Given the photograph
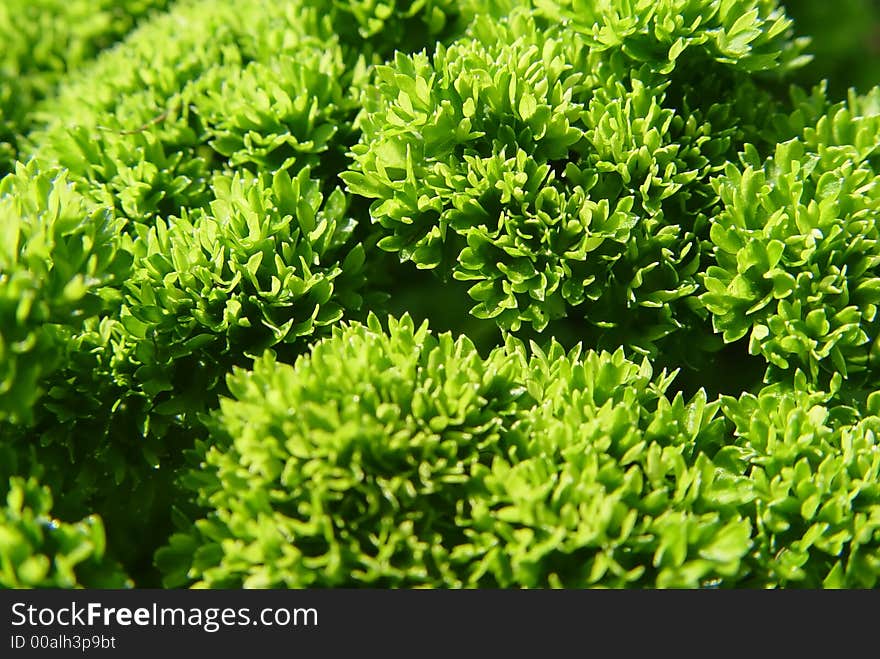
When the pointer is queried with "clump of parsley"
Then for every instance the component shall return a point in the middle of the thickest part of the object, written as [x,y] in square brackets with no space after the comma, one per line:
[438,294]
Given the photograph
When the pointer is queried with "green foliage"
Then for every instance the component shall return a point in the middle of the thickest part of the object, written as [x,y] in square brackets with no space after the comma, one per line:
[60,263]
[552,189]
[652,252]
[192,207]
[752,35]
[270,262]
[379,28]
[796,246]
[148,136]
[230,218]
[421,158]
[245,84]
[434,467]
[38,551]
[284,113]
[812,469]
[391,437]
[615,489]
[44,39]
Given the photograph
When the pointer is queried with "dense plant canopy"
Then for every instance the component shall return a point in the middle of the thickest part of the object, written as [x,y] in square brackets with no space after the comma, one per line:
[442,293]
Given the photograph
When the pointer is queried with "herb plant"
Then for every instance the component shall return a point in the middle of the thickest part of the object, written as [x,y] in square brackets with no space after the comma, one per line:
[442,293]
